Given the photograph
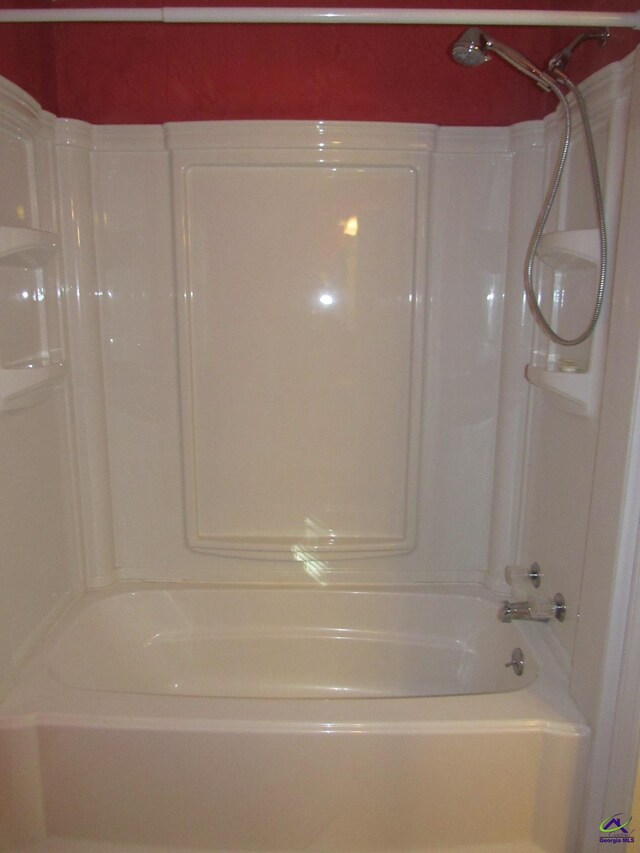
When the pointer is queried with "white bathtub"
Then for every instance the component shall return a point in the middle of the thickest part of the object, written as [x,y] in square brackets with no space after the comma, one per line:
[290,643]
[290,719]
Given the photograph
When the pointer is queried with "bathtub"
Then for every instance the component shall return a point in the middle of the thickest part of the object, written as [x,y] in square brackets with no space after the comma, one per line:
[289,719]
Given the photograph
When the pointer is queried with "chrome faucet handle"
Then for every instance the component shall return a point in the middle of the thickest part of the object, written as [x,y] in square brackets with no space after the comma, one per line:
[542,610]
[515,575]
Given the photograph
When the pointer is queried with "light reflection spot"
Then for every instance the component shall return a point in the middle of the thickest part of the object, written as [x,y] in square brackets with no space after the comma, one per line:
[351,226]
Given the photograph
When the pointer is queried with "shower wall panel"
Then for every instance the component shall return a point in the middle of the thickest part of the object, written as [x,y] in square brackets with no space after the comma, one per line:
[432,344]
[39,551]
[502,472]
[462,465]
[393,399]
[429,431]
[302,294]
[562,445]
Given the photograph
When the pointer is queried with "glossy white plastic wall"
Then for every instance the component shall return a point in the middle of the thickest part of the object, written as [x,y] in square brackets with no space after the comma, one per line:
[301,306]
[40,550]
[446,448]
[562,446]
[605,663]
[457,425]
[459,485]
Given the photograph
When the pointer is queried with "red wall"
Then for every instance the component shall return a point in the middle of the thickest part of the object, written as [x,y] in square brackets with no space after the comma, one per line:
[150,73]
[26,56]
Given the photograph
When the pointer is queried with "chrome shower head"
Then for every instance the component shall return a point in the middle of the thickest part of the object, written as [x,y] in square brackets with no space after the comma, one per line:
[473,46]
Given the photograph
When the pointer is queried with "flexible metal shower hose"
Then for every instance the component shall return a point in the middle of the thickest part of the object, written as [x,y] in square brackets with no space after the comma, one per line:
[546,210]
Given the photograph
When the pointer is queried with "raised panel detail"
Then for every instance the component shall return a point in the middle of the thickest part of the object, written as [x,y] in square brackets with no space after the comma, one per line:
[300,354]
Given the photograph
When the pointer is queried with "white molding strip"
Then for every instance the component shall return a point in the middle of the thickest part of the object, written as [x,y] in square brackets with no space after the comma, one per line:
[302,15]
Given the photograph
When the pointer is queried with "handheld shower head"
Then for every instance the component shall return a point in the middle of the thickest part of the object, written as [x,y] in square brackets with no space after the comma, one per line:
[473,46]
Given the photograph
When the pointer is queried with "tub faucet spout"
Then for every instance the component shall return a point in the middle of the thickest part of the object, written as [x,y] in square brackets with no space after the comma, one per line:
[511,610]
[534,611]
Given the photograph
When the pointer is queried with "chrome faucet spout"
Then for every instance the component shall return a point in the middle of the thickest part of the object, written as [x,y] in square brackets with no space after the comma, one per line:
[521,610]
[534,611]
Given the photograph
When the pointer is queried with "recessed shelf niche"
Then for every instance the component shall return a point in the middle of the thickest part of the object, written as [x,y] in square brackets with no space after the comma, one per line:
[31,357]
[567,251]
[571,378]
[26,248]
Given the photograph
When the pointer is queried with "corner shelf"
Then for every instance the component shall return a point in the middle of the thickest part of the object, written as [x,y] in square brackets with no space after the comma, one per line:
[27,248]
[23,385]
[573,390]
[568,251]
[25,382]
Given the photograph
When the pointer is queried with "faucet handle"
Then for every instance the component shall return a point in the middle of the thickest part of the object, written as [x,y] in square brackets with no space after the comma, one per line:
[515,575]
[543,609]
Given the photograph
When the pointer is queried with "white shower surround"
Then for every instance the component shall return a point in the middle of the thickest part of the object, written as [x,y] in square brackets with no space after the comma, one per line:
[467,472]
[153,484]
[478,506]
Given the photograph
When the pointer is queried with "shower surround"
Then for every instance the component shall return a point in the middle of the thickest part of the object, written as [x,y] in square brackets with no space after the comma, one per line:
[282,360]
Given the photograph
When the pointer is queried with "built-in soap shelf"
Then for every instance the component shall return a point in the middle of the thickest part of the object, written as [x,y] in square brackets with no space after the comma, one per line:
[25,381]
[23,384]
[574,390]
[573,387]
[570,250]
[26,248]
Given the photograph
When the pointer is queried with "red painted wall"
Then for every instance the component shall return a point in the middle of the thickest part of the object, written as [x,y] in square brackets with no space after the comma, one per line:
[151,73]
[26,56]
